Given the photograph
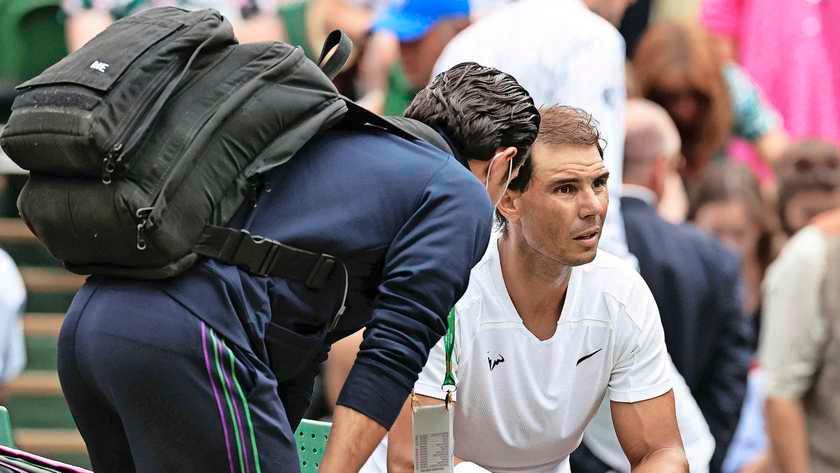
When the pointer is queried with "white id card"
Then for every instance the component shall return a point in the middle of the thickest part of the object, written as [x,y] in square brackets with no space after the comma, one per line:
[433,442]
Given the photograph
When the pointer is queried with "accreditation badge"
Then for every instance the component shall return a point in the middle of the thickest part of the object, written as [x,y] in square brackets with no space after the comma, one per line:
[433,440]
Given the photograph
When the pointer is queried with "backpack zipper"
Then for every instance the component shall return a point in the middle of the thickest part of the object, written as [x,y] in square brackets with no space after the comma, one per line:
[145,223]
[148,224]
[113,158]
[109,164]
[115,152]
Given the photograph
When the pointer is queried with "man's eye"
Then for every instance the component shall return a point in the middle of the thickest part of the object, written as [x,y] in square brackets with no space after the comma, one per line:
[601,182]
[566,189]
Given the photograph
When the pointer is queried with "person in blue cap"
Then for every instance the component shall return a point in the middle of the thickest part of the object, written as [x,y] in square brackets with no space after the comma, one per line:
[423,28]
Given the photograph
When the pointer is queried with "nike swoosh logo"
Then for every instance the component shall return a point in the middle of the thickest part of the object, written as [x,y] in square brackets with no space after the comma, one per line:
[588,356]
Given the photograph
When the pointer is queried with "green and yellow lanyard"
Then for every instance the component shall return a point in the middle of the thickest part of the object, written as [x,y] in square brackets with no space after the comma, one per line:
[449,343]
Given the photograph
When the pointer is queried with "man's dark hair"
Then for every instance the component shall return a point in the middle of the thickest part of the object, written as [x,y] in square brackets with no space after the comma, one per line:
[479,109]
[559,125]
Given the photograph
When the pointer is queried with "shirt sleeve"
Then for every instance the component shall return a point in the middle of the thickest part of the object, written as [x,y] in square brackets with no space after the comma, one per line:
[721,16]
[641,364]
[753,115]
[427,268]
[792,330]
[12,300]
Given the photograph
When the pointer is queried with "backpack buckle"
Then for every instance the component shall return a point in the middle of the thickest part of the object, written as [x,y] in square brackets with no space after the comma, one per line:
[258,254]
[320,272]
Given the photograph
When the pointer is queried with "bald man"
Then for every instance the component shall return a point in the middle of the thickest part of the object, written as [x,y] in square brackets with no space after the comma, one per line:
[651,149]
[694,280]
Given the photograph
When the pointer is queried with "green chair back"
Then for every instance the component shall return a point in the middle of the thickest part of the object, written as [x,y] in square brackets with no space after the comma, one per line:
[311,437]
[32,35]
[6,437]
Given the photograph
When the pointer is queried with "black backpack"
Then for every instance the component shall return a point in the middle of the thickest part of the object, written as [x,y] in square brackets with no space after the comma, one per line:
[142,144]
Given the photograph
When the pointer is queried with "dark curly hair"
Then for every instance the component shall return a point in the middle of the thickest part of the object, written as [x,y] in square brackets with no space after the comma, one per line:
[480,109]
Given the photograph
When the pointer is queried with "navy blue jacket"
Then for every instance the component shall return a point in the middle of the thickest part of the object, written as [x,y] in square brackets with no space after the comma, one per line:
[415,211]
[696,283]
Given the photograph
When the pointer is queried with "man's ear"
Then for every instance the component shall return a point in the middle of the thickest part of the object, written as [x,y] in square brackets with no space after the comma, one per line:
[503,158]
[660,169]
[509,206]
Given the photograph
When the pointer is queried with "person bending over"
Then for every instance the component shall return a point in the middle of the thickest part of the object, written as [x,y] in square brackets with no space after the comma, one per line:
[212,370]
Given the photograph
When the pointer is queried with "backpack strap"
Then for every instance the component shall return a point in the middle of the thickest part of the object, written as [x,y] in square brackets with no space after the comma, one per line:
[421,131]
[342,45]
[408,128]
[265,257]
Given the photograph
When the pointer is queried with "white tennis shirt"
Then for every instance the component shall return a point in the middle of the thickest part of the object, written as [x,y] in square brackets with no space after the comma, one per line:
[523,403]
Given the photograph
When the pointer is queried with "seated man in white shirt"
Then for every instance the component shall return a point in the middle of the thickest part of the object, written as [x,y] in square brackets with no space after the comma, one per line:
[546,329]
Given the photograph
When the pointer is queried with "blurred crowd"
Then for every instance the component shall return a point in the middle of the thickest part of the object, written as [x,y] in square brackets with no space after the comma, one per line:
[722,119]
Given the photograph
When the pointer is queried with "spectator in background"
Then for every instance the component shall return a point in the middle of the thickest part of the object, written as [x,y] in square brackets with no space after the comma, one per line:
[383,87]
[253,20]
[634,23]
[710,101]
[807,183]
[792,50]
[800,350]
[379,65]
[423,29]
[405,41]
[728,204]
[12,301]
[372,75]
[566,52]
[748,450]
[695,281]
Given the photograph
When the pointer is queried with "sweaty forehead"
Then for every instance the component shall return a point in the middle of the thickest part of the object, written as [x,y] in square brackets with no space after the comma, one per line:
[574,160]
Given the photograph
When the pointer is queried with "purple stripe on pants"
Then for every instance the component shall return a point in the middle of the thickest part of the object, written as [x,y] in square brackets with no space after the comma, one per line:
[222,349]
[216,395]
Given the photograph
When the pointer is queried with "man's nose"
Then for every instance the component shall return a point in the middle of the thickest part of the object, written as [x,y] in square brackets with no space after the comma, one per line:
[589,204]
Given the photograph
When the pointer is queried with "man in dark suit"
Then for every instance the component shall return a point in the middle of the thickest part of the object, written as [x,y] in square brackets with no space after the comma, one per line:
[694,280]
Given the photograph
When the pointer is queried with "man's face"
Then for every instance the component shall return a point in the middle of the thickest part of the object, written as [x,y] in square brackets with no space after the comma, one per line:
[419,56]
[610,10]
[562,211]
[729,222]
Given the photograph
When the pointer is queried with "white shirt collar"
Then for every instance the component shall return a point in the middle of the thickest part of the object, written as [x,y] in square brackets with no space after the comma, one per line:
[639,192]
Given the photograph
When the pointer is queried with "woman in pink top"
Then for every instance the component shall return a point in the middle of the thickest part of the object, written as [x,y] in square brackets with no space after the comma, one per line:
[792,49]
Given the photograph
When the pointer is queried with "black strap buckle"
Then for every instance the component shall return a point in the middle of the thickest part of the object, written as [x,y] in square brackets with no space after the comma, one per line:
[320,272]
[259,255]
[256,253]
